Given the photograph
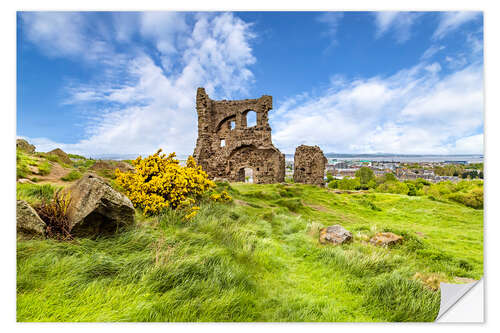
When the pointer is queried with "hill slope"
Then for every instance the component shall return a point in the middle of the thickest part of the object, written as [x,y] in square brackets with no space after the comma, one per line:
[258,259]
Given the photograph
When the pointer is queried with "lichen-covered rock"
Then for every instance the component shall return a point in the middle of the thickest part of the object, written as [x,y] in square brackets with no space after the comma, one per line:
[28,223]
[63,157]
[335,234]
[227,144]
[96,208]
[386,239]
[25,146]
[309,165]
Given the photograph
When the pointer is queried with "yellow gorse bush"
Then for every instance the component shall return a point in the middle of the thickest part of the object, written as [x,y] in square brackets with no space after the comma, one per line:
[159,182]
[221,197]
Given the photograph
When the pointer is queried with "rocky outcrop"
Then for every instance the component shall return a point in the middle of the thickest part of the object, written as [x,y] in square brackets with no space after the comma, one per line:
[334,234]
[309,165]
[28,223]
[24,145]
[96,208]
[112,165]
[386,239]
[63,157]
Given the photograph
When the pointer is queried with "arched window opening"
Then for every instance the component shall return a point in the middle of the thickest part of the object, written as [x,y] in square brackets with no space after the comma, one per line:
[251,118]
[232,125]
[222,143]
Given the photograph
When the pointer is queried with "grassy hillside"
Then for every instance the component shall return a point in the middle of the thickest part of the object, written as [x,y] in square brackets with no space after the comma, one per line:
[257,259]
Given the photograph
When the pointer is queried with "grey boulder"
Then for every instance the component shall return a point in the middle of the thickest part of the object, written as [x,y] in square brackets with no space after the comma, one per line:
[334,234]
[28,223]
[96,208]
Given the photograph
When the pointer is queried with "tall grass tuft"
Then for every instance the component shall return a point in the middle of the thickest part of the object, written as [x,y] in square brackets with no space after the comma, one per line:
[34,193]
[55,214]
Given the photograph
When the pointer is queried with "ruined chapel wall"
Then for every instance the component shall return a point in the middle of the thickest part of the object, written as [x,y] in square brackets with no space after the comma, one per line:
[309,165]
[242,146]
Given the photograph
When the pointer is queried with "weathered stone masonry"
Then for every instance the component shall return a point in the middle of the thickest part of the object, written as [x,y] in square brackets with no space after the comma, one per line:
[309,165]
[226,145]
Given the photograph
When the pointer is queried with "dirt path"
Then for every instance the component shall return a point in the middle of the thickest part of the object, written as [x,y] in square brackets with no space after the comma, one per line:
[54,177]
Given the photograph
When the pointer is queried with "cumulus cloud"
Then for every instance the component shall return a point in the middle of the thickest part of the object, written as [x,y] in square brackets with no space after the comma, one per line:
[450,21]
[399,22]
[415,111]
[147,107]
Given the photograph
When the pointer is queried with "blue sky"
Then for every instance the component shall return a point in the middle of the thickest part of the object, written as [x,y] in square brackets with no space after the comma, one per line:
[350,82]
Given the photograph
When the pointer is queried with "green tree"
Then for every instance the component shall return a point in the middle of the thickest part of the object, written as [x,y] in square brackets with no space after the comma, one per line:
[365,174]
[390,177]
[329,177]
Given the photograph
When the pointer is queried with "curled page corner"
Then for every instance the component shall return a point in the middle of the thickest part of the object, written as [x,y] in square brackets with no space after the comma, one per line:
[451,293]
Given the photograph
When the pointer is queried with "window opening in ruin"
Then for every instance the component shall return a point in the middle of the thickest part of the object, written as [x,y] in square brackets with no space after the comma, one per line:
[251,118]
[232,125]
[222,143]
[249,175]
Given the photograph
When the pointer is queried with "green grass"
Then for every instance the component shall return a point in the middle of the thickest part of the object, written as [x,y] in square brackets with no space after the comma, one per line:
[44,168]
[257,260]
[75,156]
[73,175]
[33,193]
[82,164]
[23,161]
[50,157]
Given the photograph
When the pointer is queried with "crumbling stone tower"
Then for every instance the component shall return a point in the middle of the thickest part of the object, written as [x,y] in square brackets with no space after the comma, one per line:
[309,165]
[226,146]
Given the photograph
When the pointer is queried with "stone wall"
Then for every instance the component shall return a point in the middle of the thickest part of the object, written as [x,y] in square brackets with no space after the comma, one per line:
[309,165]
[226,145]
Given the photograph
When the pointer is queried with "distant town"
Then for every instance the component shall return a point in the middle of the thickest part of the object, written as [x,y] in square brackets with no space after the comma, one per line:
[430,168]
[433,168]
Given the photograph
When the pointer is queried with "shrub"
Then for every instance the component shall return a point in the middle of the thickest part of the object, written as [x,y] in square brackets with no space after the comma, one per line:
[221,197]
[473,199]
[329,177]
[393,187]
[73,175]
[349,184]
[159,182]
[333,184]
[389,177]
[412,190]
[55,214]
[77,157]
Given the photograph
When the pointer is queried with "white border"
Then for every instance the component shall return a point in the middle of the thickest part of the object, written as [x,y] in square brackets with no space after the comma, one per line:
[8,128]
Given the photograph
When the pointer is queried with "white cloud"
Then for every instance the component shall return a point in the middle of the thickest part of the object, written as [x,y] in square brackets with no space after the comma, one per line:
[150,108]
[400,22]
[450,21]
[413,111]
[332,22]
[432,50]
[65,34]
[470,144]
[163,28]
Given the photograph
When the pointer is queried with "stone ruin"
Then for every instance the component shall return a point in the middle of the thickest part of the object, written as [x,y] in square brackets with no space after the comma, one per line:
[229,149]
[309,165]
